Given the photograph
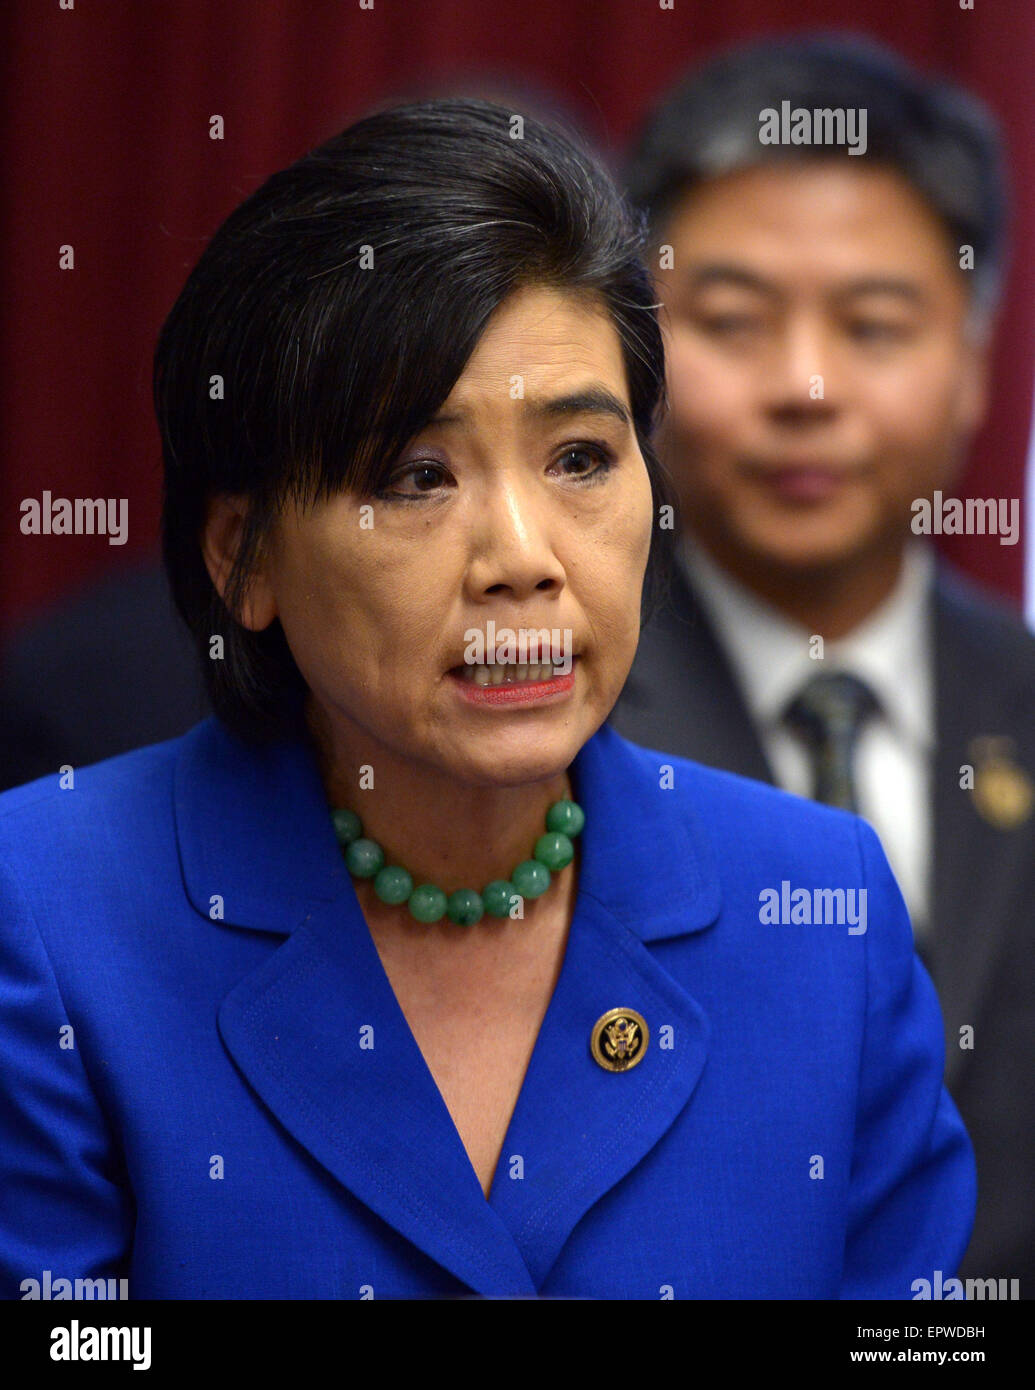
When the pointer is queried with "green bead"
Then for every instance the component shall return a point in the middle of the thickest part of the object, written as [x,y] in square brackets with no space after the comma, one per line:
[465,907]
[364,858]
[566,817]
[531,878]
[497,895]
[554,850]
[347,825]
[393,885]
[427,903]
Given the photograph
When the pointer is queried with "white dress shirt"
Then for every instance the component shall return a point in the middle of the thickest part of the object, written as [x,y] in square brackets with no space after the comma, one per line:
[892,652]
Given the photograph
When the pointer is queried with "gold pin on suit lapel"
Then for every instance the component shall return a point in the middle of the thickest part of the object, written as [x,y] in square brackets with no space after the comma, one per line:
[1003,791]
[619,1039]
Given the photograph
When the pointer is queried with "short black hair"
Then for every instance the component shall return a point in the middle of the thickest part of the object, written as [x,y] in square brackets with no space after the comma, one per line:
[328,369]
[942,140]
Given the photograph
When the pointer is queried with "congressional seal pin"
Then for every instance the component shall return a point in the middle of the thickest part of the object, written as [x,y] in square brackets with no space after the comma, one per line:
[619,1039]
[1003,791]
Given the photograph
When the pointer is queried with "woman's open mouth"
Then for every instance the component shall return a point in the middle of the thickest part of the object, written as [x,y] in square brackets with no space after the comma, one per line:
[512,683]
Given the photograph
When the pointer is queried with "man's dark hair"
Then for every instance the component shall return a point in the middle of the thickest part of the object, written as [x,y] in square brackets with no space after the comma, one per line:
[942,140]
[329,369]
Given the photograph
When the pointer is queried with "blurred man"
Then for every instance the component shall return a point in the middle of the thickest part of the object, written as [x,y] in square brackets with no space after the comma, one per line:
[828,235]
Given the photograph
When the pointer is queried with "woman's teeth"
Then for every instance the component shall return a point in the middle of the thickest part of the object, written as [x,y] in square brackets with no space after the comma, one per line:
[506,674]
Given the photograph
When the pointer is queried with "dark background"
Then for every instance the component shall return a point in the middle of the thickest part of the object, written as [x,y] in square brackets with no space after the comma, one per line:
[105,120]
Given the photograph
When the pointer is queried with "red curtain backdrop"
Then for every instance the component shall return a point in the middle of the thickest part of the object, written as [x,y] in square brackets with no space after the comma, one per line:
[105,120]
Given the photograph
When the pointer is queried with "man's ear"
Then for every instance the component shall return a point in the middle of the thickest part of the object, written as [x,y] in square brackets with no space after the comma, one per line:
[972,398]
[225,515]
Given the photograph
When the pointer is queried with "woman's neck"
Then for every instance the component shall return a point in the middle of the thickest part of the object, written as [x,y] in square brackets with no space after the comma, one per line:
[441,830]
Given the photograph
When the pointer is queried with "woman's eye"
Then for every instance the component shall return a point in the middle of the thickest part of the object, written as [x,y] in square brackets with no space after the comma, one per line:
[593,454]
[592,462]
[426,478]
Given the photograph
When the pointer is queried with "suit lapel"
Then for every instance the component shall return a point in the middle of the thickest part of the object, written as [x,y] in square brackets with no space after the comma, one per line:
[968,851]
[577,1129]
[320,1036]
[645,875]
[318,1033]
[682,695]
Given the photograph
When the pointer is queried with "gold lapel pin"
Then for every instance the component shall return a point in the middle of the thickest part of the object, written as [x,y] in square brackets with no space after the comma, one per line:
[1003,791]
[619,1039]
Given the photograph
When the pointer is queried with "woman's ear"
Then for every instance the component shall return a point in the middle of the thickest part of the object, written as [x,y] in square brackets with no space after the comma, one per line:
[221,535]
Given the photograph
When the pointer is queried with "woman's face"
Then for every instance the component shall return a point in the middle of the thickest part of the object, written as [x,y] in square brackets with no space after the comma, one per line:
[519,504]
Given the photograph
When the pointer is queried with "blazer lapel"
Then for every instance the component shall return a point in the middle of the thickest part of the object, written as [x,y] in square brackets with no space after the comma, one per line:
[577,1129]
[318,1033]
[255,830]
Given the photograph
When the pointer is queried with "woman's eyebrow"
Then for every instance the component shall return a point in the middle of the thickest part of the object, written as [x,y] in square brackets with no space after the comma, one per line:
[589,400]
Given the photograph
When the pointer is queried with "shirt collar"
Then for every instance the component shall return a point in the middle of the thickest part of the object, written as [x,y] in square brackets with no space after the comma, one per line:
[770,653]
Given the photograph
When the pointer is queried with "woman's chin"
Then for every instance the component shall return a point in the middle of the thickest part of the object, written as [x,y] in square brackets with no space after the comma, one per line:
[512,757]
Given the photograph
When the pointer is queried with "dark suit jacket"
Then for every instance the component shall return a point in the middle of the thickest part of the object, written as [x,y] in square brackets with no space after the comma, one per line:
[682,696]
[109,669]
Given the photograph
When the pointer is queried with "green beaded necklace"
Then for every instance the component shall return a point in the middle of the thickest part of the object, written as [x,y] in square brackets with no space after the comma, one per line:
[553,852]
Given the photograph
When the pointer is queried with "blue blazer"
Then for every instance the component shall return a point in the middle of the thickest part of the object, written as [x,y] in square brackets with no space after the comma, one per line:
[209,1088]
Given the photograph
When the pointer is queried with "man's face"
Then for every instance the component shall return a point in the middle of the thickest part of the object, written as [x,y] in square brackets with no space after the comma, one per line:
[821,376]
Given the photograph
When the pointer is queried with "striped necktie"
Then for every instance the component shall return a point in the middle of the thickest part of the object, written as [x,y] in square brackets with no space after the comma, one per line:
[828,714]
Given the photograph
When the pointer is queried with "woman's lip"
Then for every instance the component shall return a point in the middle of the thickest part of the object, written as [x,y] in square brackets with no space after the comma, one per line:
[516,692]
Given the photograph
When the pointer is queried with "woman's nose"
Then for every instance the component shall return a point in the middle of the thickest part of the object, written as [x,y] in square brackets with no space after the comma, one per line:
[512,544]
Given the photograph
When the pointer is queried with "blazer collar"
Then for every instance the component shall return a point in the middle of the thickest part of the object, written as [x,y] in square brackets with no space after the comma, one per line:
[319,1035]
[254,828]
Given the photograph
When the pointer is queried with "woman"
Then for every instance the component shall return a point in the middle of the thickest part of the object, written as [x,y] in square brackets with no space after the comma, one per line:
[404,975]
